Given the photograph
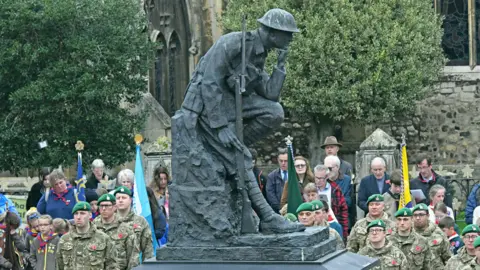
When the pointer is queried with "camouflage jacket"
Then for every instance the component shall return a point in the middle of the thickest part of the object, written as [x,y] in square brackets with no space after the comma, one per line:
[339,239]
[143,233]
[461,259]
[416,247]
[358,236]
[438,242]
[124,238]
[92,250]
[390,256]
[472,264]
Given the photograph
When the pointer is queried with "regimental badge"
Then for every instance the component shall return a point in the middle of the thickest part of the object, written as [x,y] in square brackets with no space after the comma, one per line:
[404,213]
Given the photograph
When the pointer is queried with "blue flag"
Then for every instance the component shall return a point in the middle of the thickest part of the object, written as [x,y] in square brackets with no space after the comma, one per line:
[140,197]
[80,180]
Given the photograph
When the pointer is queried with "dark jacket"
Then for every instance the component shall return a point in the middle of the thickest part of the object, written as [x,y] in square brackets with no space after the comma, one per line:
[345,168]
[92,182]
[472,203]
[275,185]
[159,223]
[368,187]
[419,183]
[36,192]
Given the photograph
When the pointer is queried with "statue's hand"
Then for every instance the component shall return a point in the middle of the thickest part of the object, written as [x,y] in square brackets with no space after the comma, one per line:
[282,57]
[229,139]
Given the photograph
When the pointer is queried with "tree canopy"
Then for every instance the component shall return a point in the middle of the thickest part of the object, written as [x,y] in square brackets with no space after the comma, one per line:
[70,70]
[363,60]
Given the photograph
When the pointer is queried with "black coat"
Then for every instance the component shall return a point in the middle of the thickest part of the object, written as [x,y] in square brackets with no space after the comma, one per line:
[419,183]
[92,182]
[35,194]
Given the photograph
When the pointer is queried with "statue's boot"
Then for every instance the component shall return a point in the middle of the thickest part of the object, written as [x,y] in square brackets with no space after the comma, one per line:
[270,222]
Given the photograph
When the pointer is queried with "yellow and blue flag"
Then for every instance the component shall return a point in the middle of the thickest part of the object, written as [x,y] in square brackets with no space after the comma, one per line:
[405,196]
[80,180]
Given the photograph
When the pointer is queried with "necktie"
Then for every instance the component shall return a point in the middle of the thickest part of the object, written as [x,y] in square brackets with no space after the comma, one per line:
[285,178]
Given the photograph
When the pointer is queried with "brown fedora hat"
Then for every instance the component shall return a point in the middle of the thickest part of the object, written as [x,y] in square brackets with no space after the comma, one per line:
[330,140]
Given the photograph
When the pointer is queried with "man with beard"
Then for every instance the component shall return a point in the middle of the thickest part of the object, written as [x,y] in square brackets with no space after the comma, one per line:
[85,247]
[412,244]
[392,196]
[358,235]
[122,236]
[390,256]
[436,239]
[466,253]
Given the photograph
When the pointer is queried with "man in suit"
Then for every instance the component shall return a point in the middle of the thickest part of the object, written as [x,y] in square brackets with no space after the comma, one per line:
[331,146]
[276,180]
[375,183]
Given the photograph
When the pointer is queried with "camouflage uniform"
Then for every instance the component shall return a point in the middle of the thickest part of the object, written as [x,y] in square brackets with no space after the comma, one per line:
[124,239]
[142,231]
[438,242]
[472,264]
[358,236]
[92,250]
[416,248]
[337,236]
[461,259]
[390,256]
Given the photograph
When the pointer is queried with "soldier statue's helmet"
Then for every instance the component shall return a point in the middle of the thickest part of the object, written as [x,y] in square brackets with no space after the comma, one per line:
[279,19]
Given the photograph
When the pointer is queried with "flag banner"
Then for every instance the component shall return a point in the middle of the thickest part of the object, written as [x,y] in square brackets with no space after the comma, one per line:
[294,198]
[405,196]
[80,180]
[140,197]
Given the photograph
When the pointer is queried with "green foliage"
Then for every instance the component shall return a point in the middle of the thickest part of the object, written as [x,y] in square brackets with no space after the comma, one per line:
[69,70]
[366,60]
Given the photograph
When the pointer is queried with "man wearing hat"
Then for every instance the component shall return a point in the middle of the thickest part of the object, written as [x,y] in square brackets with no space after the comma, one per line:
[475,262]
[127,218]
[306,214]
[321,217]
[358,235]
[436,238]
[466,253]
[390,256]
[85,247]
[123,236]
[331,146]
[413,245]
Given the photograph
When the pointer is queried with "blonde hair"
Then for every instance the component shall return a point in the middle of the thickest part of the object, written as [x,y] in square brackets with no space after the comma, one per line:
[46,217]
[310,187]
[60,225]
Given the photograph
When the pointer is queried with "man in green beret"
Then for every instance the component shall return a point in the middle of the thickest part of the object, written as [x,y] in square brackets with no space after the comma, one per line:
[291,217]
[321,219]
[390,256]
[436,238]
[85,247]
[305,213]
[358,236]
[475,262]
[466,253]
[143,233]
[123,236]
[413,245]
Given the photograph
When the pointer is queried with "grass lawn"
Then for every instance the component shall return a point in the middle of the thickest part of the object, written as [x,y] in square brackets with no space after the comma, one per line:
[460,220]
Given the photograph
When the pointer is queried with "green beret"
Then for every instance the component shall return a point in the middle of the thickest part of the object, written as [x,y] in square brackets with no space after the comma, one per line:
[305,207]
[420,206]
[404,212]
[123,190]
[106,198]
[375,198]
[376,223]
[470,228]
[290,217]
[317,205]
[81,206]
[476,243]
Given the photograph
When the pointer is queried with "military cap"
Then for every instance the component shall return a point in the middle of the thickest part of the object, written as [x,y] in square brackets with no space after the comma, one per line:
[305,207]
[420,206]
[279,19]
[404,212]
[290,217]
[81,206]
[317,205]
[375,198]
[106,198]
[476,243]
[123,190]
[472,228]
[376,223]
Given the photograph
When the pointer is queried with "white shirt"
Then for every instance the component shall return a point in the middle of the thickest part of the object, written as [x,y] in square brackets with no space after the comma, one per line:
[327,191]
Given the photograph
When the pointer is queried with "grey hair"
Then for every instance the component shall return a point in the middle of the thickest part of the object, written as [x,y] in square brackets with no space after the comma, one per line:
[434,189]
[332,158]
[98,163]
[320,168]
[125,174]
[54,176]
[380,160]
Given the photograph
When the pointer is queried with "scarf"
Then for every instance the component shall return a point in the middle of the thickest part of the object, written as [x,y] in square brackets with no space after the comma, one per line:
[61,196]
[31,232]
[44,242]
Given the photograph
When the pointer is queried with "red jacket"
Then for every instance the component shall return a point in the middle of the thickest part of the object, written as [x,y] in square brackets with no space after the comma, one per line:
[339,207]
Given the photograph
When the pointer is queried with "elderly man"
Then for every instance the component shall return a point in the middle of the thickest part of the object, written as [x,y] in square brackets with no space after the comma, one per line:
[306,214]
[276,181]
[98,174]
[466,253]
[331,146]
[375,183]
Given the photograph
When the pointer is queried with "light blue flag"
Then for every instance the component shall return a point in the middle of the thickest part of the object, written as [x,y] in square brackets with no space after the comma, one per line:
[140,198]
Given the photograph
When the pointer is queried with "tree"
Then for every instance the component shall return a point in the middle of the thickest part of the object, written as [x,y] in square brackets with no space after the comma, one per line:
[362,60]
[70,70]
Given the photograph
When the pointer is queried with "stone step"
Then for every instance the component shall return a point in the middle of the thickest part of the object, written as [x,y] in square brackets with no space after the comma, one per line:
[310,237]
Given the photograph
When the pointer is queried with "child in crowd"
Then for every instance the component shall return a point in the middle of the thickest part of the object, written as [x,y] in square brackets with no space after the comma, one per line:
[44,247]
[11,243]
[440,210]
[60,226]
[31,230]
[447,224]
